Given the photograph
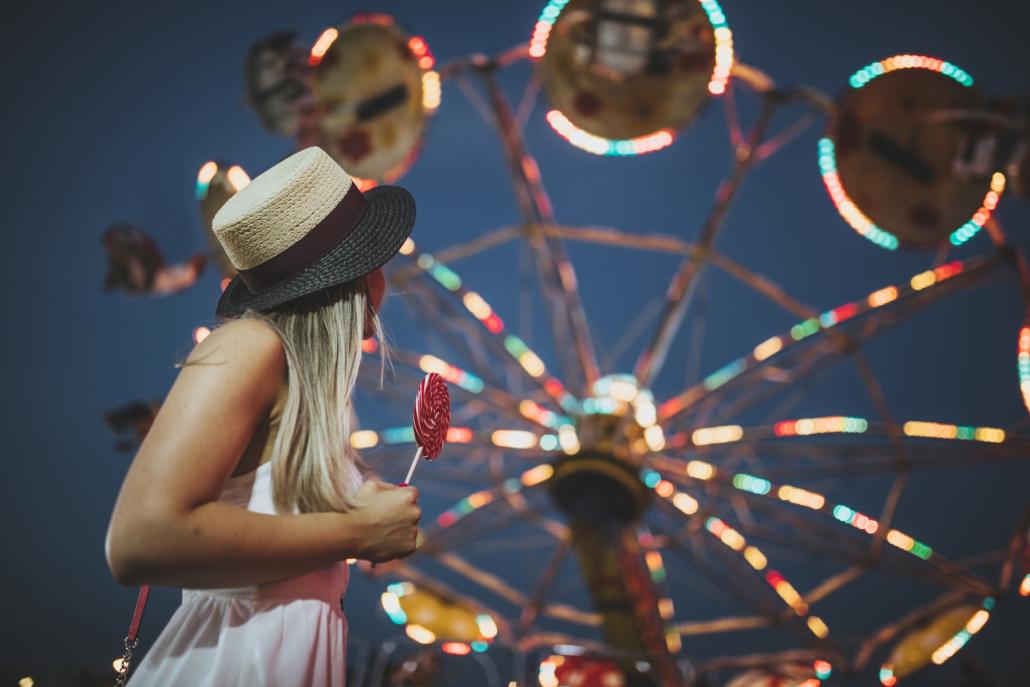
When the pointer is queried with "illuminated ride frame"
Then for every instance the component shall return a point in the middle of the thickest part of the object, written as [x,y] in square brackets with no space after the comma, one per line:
[619,482]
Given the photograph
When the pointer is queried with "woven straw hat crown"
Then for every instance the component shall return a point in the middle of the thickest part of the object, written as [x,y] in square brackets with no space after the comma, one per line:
[279,207]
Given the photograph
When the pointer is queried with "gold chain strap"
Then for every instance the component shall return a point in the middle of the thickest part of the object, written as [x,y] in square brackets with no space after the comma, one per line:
[123,668]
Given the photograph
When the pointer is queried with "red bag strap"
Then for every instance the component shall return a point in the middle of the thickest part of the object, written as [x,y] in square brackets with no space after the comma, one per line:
[132,639]
[137,615]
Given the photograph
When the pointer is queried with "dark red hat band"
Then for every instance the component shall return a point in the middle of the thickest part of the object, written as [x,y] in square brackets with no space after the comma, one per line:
[322,238]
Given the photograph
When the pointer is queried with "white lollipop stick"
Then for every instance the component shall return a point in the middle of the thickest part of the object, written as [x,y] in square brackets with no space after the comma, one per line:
[414,463]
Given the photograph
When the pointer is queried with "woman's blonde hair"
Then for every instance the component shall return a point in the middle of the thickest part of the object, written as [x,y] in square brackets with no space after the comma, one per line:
[315,469]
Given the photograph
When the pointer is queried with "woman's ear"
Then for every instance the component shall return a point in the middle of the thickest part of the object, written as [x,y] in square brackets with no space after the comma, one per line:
[376,285]
[375,291]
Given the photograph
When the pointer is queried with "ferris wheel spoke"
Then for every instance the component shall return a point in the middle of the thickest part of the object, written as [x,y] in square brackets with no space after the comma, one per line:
[833,584]
[462,541]
[746,382]
[482,351]
[571,614]
[736,548]
[762,285]
[688,541]
[504,347]
[814,537]
[556,272]
[894,431]
[476,61]
[950,579]
[439,541]
[630,334]
[514,543]
[796,432]
[812,534]
[681,289]
[879,400]
[474,98]
[779,503]
[610,236]
[723,625]
[781,361]
[798,127]
[729,584]
[804,533]
[729,109]
[668,243]
[674,244]
[935,567]
[460,337]
[490,239]
[482,578]
[788,452]
[528,99]
[543,586]
[869,460]
[495,357]
[697,329]
[799,370]
[755,595]
[477,512]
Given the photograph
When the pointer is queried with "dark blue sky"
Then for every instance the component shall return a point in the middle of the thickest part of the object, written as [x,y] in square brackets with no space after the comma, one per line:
[109,113]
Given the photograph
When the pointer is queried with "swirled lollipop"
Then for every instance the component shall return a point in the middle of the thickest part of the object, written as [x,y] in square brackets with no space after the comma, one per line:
[430,420]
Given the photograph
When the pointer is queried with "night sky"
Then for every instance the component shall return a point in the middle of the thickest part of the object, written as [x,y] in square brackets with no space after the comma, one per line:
[110,112]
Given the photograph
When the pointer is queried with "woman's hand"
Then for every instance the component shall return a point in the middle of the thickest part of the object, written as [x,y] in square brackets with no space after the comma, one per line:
[390,516]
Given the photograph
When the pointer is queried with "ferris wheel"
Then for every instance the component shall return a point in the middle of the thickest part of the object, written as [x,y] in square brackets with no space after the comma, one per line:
[589,504]
[628,491]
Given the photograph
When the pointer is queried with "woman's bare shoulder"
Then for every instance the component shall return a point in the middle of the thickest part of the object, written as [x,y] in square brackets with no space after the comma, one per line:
[241,342]
[223,392]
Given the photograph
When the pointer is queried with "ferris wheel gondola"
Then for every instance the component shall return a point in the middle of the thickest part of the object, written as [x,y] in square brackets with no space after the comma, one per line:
[277,86]
[374,90]
[217,181]
[136,265]
[889,161]
[624,75]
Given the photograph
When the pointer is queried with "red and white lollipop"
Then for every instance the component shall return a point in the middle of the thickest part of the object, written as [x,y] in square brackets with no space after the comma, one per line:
[431,419]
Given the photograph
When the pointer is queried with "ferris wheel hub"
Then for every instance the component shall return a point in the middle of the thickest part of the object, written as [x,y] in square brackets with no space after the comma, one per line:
[599,488]
[617,427]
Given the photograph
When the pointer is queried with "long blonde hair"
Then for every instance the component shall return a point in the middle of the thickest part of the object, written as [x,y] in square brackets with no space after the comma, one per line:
[315,469]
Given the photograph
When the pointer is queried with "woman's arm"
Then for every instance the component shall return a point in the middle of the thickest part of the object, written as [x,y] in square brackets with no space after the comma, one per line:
[168,526]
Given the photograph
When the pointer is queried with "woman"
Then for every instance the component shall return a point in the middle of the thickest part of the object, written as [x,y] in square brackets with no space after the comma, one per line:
[245,492]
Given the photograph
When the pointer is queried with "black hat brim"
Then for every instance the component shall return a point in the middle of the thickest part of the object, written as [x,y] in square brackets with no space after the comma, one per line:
[386,223]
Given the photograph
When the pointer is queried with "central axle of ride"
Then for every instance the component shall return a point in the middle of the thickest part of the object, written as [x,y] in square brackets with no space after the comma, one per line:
[600,490]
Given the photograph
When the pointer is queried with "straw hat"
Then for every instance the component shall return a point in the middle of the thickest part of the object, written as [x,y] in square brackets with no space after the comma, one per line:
[304,226]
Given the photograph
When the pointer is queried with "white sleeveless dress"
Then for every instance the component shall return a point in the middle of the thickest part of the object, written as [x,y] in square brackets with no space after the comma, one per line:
[282,634]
